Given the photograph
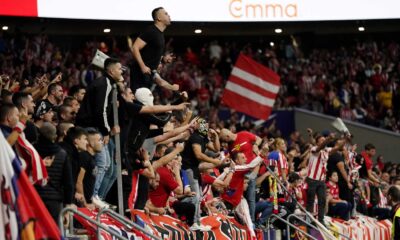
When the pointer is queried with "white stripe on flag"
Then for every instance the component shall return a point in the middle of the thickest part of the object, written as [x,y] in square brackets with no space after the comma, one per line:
[253,79]
[245,92]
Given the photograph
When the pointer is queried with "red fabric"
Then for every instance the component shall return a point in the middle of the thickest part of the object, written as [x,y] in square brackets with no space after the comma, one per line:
[333,189]
[244,143]
[368,161]
[135,185]
[33,214]
[233,194]
[27,8]
[207,178]
[159,196]
[251,88]
[35,165]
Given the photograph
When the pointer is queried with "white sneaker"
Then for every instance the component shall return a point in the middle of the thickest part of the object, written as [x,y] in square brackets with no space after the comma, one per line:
[200,227]
[99,203]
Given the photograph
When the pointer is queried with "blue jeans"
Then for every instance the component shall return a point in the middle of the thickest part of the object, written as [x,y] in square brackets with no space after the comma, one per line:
[194,186]
[251,198]
[111,174]
[103,161]
[265,208]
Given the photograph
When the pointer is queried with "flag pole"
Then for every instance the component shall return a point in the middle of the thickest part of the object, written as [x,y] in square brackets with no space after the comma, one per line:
[118,152]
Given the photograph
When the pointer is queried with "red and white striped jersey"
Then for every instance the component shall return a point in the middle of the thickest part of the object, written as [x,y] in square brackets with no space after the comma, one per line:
[317,163]
[283,163]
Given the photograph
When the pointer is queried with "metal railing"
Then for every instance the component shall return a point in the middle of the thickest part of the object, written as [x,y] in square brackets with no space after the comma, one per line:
[289,225]
[123,220]
[98,224]
[311,226]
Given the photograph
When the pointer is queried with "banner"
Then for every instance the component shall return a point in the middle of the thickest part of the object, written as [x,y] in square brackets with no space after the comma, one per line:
[206,10]
[251,88]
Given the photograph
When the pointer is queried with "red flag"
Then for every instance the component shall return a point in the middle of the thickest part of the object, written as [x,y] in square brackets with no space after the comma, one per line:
[251,88]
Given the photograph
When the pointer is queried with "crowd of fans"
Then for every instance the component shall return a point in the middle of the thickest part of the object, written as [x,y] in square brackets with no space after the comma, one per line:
[187,166]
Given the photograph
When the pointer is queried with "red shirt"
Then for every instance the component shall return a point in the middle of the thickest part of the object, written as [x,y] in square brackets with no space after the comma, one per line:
[333,189]
[159,196]
[368,161]
[233,194]
[244,143]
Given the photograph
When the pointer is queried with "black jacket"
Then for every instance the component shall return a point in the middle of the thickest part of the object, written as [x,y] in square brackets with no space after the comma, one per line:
[60,183]
[96,107]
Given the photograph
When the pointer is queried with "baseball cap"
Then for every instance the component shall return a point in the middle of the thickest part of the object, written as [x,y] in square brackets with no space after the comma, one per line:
[42,108]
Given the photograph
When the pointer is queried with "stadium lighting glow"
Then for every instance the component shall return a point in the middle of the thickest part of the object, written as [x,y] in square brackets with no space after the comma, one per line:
[107,30]
[198,31]
[278,30]
[361,29]
[5,28]
[272,44]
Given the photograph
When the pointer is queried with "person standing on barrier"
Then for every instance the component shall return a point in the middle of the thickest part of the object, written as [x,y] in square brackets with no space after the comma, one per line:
[149,51]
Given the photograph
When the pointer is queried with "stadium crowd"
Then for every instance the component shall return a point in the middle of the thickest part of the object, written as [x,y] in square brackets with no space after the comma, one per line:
[180,158]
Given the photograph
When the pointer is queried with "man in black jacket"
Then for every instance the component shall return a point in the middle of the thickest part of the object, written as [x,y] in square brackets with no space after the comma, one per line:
[59,189]
[96,107]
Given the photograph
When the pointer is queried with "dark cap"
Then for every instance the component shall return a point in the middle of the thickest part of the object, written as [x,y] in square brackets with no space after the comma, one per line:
[42,108]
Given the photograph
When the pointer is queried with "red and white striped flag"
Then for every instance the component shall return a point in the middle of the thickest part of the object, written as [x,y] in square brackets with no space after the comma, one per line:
[251,88]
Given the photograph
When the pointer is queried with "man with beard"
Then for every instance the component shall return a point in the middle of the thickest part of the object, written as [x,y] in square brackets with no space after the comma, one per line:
[55,95]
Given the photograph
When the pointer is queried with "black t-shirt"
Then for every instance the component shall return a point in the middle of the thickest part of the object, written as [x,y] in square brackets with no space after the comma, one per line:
[88,163]
[151,55]
[31,132]
[189,160]
[333,160]
[154,49]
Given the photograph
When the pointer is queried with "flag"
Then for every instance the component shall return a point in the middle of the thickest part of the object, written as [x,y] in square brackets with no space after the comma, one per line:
[251,88]
[23,214]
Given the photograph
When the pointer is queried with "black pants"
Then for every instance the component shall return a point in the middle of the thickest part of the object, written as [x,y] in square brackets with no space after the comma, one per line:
[318,188]
[54,208]
[185,211]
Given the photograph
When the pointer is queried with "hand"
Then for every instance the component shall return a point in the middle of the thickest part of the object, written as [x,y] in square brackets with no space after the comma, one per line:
[90,206]
[181,106]
[66,219]
[115,130]
[48,161]
[23,117]
[106,139]
[180,146]
[350,186]
[354,147]
[168,58]
[57,79]
[144,154]
[79,197]
[213,132]
[184,95]
[160,211]
[146,164]
[129,41]
[191,194]
[145,70]
[175,87]
[193,122]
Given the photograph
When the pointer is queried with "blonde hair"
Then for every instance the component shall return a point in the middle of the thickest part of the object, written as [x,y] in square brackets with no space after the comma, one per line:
[278,141]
